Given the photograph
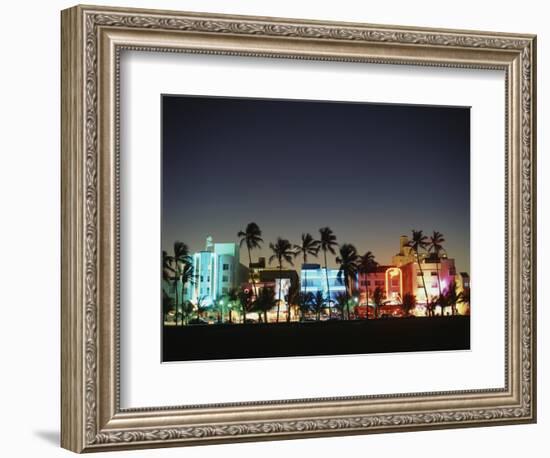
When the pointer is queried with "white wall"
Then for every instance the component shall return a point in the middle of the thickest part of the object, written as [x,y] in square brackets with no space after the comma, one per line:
[29,242]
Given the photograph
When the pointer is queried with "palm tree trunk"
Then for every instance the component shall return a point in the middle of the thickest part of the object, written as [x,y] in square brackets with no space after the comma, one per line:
[438,279]
[182,303]
[348,295]
[328,287]
[279,301]
[367,315]
[422,275]
[252,273]
[176,293]
[304,286]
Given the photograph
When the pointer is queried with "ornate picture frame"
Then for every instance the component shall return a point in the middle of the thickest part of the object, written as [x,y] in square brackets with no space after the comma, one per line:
[92,40]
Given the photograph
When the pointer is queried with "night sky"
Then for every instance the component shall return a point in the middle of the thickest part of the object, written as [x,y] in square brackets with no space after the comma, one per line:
[370,172]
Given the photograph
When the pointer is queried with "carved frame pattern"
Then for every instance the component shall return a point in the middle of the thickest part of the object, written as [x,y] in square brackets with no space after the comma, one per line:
[82,403]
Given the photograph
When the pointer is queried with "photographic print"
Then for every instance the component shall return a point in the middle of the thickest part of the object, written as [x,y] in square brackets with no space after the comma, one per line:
[305,227]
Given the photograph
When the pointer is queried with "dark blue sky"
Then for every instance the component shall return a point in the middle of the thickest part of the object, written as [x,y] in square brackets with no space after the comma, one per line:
[370,172]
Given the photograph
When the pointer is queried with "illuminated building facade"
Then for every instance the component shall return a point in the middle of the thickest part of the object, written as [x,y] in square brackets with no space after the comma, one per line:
[314,279]
[405,274]
[274,279]
[388,278]
[217,270]
[280,281]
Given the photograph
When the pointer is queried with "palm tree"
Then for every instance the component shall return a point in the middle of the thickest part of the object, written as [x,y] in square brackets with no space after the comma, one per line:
[167,305]
[328,243]
[292,298]
[378,299]
[232,299]
[167,268]
[282,251]
[309,246]
[348,260]
[409,303]
[419,242]
[304,303]
[451,297]
[176,264]
[464,298]
[430,305]
[265,301]
[168,274]
[244,300]
[252,238]
[187,278]
[342,304]
[436,247]
[201,307]
[367,265]
[317,302]
[187,308]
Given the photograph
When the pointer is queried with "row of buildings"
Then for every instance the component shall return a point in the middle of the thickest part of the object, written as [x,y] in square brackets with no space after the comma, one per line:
[218,269]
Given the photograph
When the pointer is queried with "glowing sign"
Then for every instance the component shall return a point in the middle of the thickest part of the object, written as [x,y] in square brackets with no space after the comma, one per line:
[391,274]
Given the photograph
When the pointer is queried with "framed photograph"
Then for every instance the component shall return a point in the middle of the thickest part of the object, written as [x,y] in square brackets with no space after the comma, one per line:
[278,228]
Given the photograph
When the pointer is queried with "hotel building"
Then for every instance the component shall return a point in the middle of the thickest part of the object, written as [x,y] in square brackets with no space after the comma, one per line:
[275,279]
[217,270]
[314,279]
[407,274]
[404,275]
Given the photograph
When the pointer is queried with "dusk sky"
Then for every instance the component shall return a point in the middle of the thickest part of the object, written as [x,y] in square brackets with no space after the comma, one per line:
[370,172]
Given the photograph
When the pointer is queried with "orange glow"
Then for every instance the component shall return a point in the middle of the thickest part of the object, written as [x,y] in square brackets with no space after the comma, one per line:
[393,272]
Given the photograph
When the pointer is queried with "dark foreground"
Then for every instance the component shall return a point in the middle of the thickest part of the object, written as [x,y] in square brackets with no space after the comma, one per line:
[230,341]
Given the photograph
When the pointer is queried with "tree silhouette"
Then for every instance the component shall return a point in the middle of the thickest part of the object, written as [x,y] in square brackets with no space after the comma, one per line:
[419,242]
[435,246]
[409,303]
[252,238]
[282,251]
[367,265]
[328,243]
[378,300]
[265,301]
[308,246]
[348,260]
[318,302]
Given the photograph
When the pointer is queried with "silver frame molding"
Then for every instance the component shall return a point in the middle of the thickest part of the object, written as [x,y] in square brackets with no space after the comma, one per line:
[92,39]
